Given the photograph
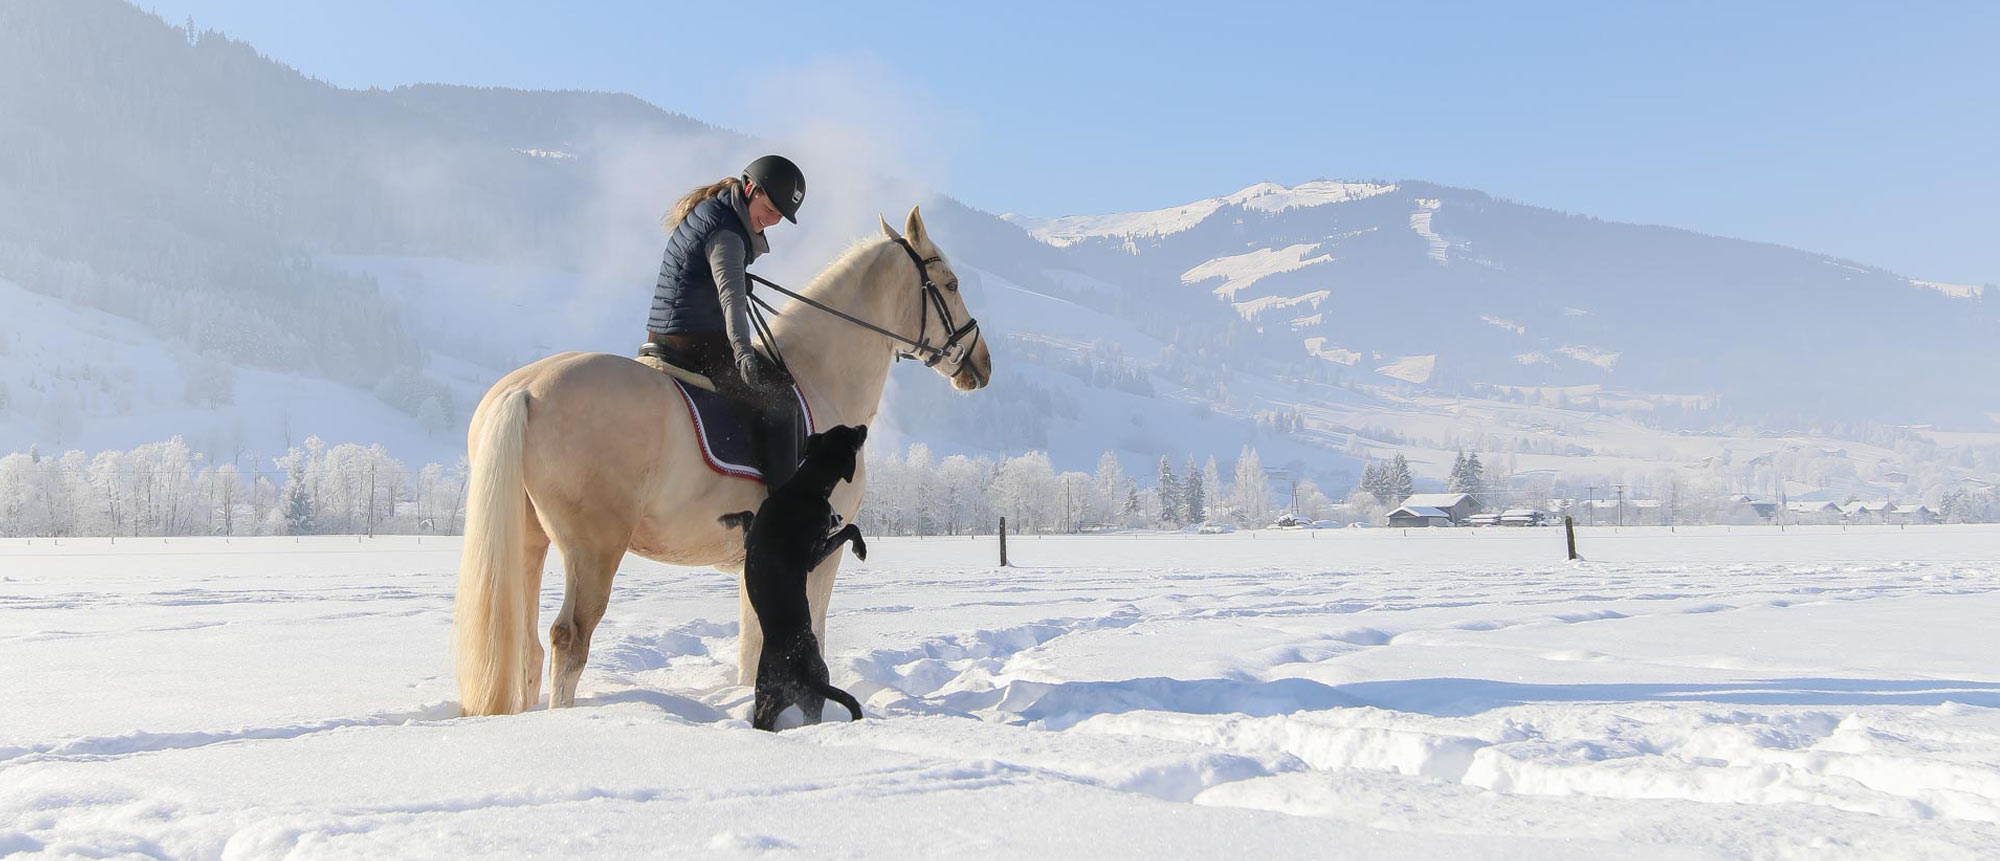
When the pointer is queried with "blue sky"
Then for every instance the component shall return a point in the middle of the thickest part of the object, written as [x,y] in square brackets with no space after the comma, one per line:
[1866,130]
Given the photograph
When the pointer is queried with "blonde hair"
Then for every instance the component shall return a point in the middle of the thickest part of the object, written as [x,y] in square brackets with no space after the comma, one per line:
[689,201]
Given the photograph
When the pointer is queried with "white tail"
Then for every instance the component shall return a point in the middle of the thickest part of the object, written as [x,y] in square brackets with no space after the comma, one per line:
[490,621]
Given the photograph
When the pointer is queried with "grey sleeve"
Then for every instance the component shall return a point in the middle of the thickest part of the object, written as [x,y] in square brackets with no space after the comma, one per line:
[725,258]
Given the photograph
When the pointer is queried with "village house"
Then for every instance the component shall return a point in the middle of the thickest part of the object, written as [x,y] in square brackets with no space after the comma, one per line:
[1434,509]
[1813,512]
[1420,515]
[1913,514]
[1876,511]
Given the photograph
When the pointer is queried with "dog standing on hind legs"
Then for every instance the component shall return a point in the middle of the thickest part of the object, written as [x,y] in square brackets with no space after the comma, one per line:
[785,539]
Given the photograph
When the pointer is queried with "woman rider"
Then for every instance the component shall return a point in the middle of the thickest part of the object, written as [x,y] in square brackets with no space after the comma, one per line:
[701,304]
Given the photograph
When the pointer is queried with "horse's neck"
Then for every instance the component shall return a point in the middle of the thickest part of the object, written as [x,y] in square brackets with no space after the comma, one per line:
[842,367]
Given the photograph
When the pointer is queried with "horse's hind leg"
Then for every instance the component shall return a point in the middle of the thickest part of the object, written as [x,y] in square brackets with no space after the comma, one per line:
[587,575]
[535,556]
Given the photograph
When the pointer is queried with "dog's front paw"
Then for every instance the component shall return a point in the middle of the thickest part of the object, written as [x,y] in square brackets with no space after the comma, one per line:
[860,548]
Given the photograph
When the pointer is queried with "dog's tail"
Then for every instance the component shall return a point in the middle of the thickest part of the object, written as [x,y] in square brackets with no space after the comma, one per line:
[837,695]
[740,518]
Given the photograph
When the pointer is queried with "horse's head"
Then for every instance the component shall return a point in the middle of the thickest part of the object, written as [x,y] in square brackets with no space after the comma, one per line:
[950,338]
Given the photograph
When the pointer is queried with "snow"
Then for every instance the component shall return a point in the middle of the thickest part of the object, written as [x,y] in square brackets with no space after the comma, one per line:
[1410,369]
[1815,692]
[1264,197]
[1420,223]
[1242,270]
[1955,291]
[1317,345]
[127,387]
[1599,356]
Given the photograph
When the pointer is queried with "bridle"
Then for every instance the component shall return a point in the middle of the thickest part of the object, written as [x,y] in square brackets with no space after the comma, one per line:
[958,338]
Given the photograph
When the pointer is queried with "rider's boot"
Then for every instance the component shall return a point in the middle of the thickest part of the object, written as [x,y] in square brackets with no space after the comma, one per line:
[778,446]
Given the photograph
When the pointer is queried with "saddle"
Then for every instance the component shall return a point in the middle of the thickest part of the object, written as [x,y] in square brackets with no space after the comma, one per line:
[718,424]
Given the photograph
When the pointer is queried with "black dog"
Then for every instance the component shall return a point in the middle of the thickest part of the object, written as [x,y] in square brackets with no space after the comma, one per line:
[788,536]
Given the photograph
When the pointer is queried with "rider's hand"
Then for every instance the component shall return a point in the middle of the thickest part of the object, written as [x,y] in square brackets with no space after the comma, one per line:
[760,372]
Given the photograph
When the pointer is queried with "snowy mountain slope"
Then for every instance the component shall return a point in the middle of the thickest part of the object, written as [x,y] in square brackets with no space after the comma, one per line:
[78,378]
[1413,269]
[1263,197]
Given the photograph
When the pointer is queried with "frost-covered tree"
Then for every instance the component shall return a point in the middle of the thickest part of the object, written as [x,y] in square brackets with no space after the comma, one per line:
[1025,493]
[1218,494]
[1110,494]
[1399,482]
[966,508]
[1170,494]
[1252,499]
[1196,503]
[1362,506]
[1467,475]
[1313,503]
[1077,491]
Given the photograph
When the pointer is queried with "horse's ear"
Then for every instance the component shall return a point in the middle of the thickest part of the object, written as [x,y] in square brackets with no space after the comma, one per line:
[887,230]
[914,227]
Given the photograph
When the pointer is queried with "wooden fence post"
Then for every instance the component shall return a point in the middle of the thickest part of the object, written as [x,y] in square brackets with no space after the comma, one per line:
[1003,542]
[1569,532]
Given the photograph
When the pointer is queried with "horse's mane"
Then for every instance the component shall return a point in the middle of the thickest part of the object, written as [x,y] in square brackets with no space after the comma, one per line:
[858,253]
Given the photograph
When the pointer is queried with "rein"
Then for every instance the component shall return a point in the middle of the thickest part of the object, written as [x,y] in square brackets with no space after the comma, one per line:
[918,348]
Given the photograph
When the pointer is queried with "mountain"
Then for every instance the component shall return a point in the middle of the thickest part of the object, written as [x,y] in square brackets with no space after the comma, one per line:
[1455,291]
[205,242]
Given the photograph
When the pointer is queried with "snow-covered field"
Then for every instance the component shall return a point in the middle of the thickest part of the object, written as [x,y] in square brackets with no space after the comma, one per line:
[1358,693]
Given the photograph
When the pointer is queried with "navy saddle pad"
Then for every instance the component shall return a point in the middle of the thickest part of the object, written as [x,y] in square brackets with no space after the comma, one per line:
[725,441]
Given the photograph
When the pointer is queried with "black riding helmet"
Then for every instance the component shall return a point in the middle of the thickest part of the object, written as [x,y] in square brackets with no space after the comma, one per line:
[782,183]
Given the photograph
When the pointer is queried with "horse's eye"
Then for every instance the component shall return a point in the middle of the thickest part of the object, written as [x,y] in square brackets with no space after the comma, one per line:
[953,286]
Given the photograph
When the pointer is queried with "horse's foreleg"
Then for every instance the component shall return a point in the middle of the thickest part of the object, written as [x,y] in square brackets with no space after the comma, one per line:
[819,592]
[587,575]
[750,636]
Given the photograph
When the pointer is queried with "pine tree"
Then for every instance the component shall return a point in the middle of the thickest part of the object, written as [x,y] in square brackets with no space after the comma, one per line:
[1371,482]
[298,510]
[1467,476]
[1399,482]
[1212,487]
[1170,494]
[1197,503]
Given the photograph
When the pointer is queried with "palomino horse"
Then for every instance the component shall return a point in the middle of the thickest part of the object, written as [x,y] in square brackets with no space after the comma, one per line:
[596,453]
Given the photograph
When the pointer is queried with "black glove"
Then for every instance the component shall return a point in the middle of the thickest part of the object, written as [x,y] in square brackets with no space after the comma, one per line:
[762,373]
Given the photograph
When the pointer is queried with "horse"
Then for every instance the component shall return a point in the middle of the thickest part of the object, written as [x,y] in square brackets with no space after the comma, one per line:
[596,454]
